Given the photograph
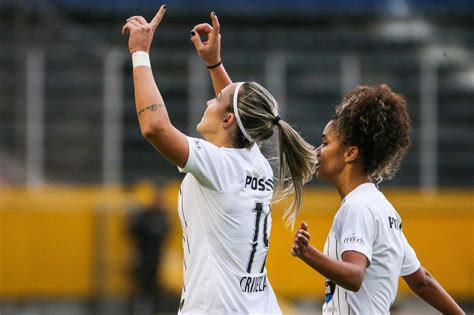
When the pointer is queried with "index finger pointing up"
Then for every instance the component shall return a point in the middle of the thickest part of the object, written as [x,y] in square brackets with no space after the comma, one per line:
[158,17]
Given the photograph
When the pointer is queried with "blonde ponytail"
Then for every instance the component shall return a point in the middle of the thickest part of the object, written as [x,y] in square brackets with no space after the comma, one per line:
[297,166]
[258,112]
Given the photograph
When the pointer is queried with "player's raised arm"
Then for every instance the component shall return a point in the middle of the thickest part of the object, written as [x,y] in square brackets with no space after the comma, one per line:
[210,52]
[154,122]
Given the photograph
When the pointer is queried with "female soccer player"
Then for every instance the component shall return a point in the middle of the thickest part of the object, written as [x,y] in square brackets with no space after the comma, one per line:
[366,251]
[224,200]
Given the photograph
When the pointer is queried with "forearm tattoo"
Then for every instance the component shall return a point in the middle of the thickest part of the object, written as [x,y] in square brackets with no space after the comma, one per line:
[152,108]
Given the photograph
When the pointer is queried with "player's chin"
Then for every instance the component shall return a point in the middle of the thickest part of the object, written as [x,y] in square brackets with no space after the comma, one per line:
[199,127]
[319,174]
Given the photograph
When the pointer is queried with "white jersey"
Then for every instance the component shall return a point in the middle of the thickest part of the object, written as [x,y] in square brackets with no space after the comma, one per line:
[224,208]
[368,223]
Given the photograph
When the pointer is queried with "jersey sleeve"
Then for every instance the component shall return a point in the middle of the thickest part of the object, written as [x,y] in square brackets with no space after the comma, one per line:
[410,261]
[212,167]
[357,229]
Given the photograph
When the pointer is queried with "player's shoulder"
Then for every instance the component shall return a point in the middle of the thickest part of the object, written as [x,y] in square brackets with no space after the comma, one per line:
[215,152]
[233,161]
[357,206]
[365,194]
[198,145]
[249,158]
[363,200]
[261,161]
[370,201]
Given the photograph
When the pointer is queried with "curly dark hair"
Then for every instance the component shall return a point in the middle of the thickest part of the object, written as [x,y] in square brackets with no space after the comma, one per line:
[376,120]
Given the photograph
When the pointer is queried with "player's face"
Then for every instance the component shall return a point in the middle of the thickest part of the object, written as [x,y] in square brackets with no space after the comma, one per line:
[215,113]
[330,155]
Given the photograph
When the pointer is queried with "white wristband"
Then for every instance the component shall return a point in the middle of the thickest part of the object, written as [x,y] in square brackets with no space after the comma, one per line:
[141,58]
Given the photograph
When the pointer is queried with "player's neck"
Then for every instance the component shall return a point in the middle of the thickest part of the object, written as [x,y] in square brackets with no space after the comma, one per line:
[222,140]
[349,180]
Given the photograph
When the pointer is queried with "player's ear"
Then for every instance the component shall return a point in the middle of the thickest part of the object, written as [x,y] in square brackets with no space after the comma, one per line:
[351,153]
[228,119]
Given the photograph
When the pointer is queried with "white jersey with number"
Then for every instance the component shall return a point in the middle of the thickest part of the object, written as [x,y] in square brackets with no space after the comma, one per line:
[368,223]
[224,208]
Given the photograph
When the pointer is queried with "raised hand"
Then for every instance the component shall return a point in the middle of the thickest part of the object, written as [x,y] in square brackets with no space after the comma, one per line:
[141,32]
[301,241]
[210,49]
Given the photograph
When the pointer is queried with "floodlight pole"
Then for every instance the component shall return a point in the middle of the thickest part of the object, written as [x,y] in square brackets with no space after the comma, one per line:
[198,87]
[275,78]
[113,117]
[35,60]
[429,123]
[350,73]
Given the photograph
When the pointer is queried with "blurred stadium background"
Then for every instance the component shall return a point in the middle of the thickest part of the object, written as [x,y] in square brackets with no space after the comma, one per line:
[73,162]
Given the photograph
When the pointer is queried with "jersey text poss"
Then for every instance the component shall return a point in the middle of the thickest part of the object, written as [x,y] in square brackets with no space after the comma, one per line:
[259,184]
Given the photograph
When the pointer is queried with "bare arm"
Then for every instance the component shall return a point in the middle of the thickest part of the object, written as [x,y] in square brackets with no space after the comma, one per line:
[220,78]
[210,52]
[155,124]
[426,287]
[348,273]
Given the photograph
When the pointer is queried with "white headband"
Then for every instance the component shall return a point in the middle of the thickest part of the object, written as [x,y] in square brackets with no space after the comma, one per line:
[236,113]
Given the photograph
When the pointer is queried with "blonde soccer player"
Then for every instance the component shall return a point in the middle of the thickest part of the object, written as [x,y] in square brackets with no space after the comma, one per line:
[225,198]
[366,251]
